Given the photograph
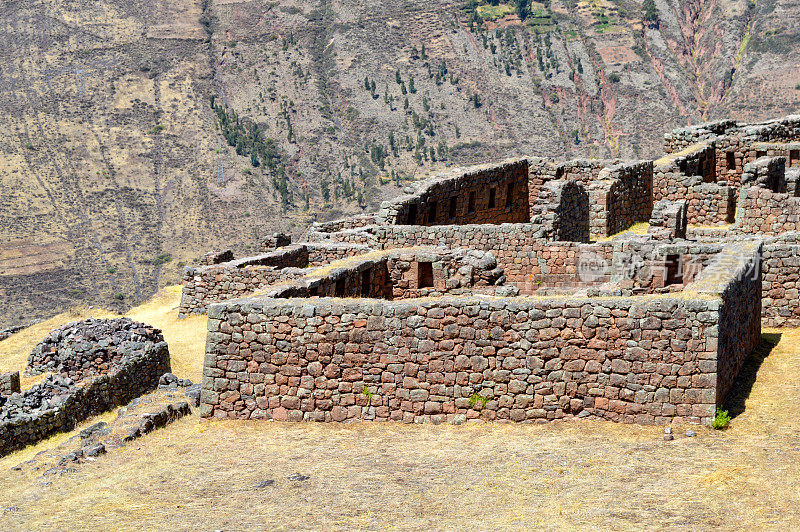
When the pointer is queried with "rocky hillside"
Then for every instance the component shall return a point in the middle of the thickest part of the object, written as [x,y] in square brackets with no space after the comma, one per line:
[137,135]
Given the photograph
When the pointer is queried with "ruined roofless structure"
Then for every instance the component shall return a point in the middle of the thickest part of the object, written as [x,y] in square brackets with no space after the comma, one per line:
[498,292]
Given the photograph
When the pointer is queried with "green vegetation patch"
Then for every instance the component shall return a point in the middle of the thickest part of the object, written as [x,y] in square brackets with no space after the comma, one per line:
[489,12]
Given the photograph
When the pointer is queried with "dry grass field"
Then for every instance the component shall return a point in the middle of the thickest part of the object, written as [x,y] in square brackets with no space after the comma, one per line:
[576,474]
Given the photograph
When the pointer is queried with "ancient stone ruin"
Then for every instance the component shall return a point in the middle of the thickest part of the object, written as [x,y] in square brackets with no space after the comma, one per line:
[512,291]
[91,366]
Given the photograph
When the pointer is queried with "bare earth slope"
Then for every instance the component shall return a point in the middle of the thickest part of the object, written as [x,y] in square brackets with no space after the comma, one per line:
[114,171]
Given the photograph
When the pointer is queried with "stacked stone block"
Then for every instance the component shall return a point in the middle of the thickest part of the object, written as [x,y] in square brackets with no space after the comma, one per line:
[621,197]
[275,241]
[60,402]
[668,220]
[9,383]
[562,210]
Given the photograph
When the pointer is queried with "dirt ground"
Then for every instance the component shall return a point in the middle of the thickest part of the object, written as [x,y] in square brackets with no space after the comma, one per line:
[576,474]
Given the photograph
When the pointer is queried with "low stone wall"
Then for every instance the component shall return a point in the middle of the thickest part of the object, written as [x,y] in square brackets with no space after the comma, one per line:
[681,138]
[489,194]
[399,274]
[528,260]
[649,359]
[621,196]
[216,257]
[275,241]
[238,278]
[59,402]
[351,222]
[762,211]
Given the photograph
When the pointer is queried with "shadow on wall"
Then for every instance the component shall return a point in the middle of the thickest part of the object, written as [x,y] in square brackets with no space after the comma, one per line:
[737,397]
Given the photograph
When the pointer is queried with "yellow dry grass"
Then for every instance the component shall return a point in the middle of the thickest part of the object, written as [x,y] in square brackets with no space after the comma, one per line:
[639,228]
[570,475]
[186,338]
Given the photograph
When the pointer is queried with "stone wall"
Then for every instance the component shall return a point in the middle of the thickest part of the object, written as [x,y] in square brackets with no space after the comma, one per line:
[780,296]
[690,175]
[351,222]
[649,359]
[621,196]
[528,260]
[237,278]
[543,170]
[668,220]
[762,211]
[766,172]
[59,402]
[216,257]
[489,194]
[399,274]
[562,209]
[275,241]
[9,383]
[735,275]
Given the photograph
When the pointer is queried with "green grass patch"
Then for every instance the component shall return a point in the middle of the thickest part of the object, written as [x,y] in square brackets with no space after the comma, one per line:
[489,12]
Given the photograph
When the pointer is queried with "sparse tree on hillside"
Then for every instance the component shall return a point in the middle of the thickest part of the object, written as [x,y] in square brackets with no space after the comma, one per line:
[649,11]
[523,9]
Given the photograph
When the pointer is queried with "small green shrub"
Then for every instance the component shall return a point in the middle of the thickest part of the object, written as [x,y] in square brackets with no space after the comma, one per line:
[119,296]
[156,129]
[162,259]
[111,269]
[476,398]
[613,77]
[369,395]
[721,420]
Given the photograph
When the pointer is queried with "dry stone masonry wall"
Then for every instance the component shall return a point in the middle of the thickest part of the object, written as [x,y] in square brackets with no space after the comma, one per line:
[97,365]
[426,324]
[649,359]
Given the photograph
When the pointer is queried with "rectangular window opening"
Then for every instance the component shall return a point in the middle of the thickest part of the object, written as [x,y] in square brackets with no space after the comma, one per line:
[412,214]
[339,291]
[794,157]
[492,195]
[509,194]
[471,203]
[453,206]
[424,275]
[432,208]
[760,154]
[731,160]
[366,278]
[674,270]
